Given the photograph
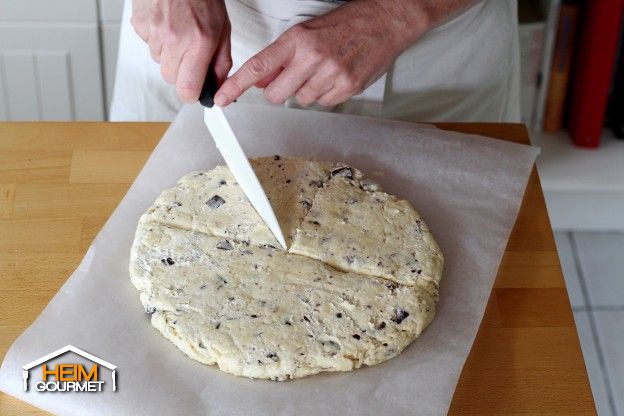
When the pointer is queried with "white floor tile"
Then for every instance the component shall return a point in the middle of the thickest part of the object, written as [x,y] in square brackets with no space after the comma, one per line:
[602,262]
[592,363]
[569,269]
[611,334]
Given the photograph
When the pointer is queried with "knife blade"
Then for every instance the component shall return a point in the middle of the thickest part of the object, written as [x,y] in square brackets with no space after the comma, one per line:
[232,152]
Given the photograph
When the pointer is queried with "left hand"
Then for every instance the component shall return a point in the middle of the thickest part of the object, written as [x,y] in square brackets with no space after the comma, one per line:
[327,59]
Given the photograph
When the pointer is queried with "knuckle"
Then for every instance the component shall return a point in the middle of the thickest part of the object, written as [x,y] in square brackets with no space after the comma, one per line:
[134,21]
[351,85]
[167,74]
[325,102]
[258,66]
[201,36]
[170,36]
[185,93]
[272,96]
[336,65]
[303,99]
[297,31]
[234,87]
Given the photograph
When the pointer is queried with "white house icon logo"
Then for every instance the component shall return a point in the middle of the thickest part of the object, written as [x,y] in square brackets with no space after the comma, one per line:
[62,377]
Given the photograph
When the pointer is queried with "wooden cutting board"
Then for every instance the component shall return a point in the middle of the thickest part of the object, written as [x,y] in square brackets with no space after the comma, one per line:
[59,183]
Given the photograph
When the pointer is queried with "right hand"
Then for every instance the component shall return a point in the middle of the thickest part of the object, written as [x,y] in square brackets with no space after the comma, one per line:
[185,37]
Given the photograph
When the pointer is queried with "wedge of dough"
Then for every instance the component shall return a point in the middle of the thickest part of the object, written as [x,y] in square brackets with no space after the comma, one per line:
[213,203]
[215,285]
[356,227]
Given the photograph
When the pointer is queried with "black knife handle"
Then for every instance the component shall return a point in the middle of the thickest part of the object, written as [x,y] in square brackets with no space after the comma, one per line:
[211,85]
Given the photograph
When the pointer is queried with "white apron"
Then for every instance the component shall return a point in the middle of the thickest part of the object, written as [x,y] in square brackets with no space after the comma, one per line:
[464,70]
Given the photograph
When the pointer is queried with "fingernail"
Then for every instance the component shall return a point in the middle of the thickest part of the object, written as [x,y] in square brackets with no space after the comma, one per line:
[221,99]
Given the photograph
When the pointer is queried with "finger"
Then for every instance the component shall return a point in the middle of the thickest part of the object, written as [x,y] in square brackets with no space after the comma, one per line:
[193,70]
[255,69]
[314,88]
[137,20]
[287,83]
[268,79]
[170,64]
[222,60]
[332,98]
[155,48]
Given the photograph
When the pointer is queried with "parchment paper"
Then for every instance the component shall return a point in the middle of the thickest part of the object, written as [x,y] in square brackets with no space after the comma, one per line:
[467,188]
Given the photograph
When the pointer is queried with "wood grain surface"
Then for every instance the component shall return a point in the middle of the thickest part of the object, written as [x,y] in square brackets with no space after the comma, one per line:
[59,183]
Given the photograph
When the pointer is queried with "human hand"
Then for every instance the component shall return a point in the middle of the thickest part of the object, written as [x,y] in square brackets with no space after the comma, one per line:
[185,37]
[327,59]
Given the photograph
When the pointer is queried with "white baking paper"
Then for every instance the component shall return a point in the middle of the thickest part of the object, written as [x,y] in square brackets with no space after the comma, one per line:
[467,188]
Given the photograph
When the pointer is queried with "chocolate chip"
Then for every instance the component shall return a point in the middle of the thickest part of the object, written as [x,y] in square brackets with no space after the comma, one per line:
[338,315]
[349,259]
[382,325]
[253,315]
[356,336]
[168,261]
[273,356]
[368,185]
[276,157]
[287,323]
[176,204]
[218,325]
[222,182]
[201,345]
[305,318]
[288,181]
[314,222]
[215,202]
[225,245]
[399,316]
[344,171]
[385,344]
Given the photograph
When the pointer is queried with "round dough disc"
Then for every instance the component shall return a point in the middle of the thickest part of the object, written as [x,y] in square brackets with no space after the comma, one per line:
[358,284]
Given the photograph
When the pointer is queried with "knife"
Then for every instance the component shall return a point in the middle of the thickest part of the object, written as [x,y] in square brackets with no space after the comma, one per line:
[239,165]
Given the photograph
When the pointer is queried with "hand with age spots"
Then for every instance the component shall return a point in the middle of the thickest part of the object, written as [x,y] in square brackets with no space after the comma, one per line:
[327,59]
[330,58]
[185,37]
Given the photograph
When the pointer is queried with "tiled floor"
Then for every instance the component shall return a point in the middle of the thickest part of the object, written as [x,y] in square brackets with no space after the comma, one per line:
[593,266]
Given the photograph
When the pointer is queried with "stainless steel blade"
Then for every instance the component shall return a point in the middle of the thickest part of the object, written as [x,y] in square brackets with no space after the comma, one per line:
[241,169]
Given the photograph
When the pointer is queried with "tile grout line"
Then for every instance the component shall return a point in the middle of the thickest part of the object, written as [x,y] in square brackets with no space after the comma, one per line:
[599,308]
[592,324]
